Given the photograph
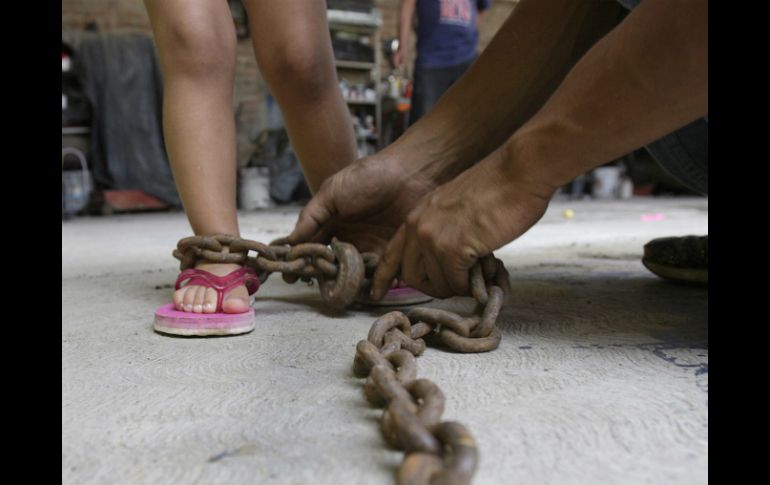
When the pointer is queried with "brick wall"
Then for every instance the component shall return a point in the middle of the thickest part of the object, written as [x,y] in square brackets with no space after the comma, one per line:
[111,15]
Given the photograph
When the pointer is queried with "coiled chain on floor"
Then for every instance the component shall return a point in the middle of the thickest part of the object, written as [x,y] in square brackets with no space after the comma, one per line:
[438,452]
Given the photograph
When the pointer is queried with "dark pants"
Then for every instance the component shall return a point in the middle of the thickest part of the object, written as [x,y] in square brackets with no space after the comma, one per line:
[430,84]
[685,154]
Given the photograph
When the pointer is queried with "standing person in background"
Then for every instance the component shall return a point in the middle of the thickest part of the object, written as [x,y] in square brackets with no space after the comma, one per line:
[447,39]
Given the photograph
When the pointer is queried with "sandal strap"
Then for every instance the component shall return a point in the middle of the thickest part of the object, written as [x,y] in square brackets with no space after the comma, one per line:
[222,284]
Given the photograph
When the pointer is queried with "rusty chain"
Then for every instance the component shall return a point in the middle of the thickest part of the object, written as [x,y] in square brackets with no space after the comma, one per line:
[339,269]
[437,452]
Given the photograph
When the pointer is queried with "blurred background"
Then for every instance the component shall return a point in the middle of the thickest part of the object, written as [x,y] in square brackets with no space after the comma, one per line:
[113,157]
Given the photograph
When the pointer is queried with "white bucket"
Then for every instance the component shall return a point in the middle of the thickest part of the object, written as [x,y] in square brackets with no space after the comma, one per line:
[254,188]
[606,183]
[626,188]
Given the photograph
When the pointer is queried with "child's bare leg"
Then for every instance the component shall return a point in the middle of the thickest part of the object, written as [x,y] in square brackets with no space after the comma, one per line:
[294,52]
[196,46]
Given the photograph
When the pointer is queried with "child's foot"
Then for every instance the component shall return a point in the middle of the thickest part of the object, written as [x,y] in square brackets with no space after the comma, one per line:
[200,299]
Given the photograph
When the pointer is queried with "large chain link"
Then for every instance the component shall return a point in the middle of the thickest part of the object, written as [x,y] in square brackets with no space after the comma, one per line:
[438,452]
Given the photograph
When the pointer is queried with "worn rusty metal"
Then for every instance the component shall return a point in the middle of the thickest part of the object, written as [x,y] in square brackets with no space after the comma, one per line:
[419,469]
[444,318]
[278,266]
[367,356]
[203,242]
[329,270]
[395,335]
[393,345]
[456,466]
[383,386]
[421,329]
[478,285]
[502,279]
[213,249]
[411,435]
[385,323]
[489,267]
[470,344]
[220,257]
[290,278]
[405,364]
[430,400]
[371,260]
[343,290]
[186,261]
[490,313]
[310,249]
[246,245]
[461,455]
[459,462]
[436,452]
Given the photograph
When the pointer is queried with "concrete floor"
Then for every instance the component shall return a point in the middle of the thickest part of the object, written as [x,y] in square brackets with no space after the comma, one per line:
[601,377]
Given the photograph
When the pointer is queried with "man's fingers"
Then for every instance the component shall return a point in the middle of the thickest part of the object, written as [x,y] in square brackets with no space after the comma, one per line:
[412,269]
[312,218]
[458,278]
[437,286]
[322,236]
[389,264]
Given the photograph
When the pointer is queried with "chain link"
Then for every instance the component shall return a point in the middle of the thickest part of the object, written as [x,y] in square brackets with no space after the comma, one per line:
[437,452]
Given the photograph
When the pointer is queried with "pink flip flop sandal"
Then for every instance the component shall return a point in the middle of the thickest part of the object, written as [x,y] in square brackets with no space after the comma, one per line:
[398,295]
[171,321]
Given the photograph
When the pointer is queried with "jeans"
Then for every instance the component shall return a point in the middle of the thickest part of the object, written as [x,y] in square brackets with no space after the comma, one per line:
[685,155]
[430,84]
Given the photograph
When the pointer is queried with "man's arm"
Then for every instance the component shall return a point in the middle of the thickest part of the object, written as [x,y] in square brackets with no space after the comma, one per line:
[481,6]
[508,83]
[405,19]
[643,80]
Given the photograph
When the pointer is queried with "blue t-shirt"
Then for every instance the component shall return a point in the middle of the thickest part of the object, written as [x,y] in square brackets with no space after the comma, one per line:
[446,31]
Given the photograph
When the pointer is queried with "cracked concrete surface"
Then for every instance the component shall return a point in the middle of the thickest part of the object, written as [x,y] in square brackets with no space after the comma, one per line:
[601,377]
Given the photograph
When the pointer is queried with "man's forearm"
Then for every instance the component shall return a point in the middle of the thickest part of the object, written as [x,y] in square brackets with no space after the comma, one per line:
[406,16]
[508,83]
[644,80]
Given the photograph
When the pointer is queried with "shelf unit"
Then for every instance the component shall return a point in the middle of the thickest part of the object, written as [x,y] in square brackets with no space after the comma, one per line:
[366,25]
[355,65]
[75,130]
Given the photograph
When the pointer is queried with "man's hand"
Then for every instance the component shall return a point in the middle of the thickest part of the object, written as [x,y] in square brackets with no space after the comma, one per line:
[405,23]
[465,219]
[362,204]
